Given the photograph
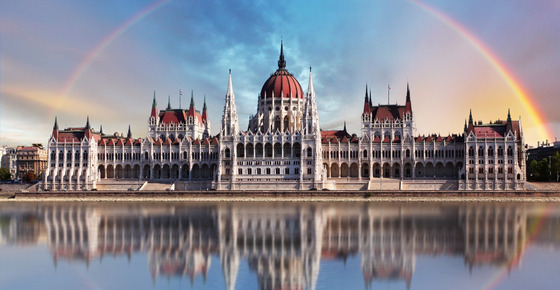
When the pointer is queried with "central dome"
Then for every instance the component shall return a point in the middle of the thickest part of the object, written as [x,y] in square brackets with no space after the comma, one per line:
[281,83]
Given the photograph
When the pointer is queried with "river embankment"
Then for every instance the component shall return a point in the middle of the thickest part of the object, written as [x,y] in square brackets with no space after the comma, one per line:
[288,196]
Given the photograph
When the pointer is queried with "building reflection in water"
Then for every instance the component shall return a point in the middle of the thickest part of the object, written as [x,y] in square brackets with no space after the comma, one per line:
[283,245]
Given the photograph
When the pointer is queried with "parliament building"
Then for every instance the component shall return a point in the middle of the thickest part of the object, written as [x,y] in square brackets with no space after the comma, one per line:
[284,148]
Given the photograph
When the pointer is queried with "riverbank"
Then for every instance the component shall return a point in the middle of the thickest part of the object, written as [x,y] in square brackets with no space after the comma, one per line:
[287,196]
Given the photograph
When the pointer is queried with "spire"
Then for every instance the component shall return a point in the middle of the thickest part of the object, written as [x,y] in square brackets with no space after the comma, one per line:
[470,117]
[87,123]
[407,92]
[101,129]
[281,61]
[344,126]
[154,106]
[465,128]
[408,102]
[367,103]
[509,116]
[370,103]
[192,99]
[55,127]
[230,125]
[310,89]
[129,134]
[169,102]
[204,113]
[230,85]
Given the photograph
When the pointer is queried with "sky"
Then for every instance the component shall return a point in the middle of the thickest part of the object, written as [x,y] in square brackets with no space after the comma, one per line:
[104,59]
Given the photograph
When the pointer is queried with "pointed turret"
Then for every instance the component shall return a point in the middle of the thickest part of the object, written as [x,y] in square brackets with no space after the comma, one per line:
[55,128]
[509,125]
[230,124]
[367,105]
[281,61]
[470,118]
[408,102]
[465,128]
[87,129]
[344,127]
[191,106]
[204,113]
[154,106]
[370,102]
[168,102]
[101,130]
[311,128]
[129,134]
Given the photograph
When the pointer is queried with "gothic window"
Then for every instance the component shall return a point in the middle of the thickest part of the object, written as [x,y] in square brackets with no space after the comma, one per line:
[286,122]
[480,151]
[490,151]
[407,153]
[500,151]
[268,149]
[471,151]
[276,123]
[509,151]
[240,150]
[227,152]
[309,152]
[259,150]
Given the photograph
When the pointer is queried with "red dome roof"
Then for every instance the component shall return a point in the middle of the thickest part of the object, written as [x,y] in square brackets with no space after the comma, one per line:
[282,83]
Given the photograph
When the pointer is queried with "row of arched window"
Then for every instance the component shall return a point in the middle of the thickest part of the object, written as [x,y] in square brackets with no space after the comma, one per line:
[481,152]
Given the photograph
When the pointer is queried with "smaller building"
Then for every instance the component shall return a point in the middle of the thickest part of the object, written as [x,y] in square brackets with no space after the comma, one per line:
[30,159]
[8,160]
[542,151]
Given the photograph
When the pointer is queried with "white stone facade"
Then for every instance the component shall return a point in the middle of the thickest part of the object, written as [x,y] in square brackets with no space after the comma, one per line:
[285,149]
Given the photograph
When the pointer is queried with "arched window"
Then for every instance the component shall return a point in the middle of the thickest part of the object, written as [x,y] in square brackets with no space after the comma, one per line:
[480,151]
[240,150]
[365,153]
[227,153]
[471,151]
[309,152]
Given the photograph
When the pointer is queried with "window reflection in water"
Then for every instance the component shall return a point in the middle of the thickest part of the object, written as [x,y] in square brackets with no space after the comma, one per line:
[283,244]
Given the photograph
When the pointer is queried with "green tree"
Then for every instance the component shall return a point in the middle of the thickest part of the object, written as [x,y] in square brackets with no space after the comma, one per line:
[555,167]
[544,170]
[5,174]
[534,171]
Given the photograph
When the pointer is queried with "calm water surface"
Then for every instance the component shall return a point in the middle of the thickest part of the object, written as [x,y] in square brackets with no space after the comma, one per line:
[279,246]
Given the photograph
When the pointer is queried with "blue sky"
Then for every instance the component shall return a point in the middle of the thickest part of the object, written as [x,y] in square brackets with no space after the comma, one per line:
[190,45]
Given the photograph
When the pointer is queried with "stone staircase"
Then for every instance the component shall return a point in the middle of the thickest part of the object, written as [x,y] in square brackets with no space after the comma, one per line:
[154,186]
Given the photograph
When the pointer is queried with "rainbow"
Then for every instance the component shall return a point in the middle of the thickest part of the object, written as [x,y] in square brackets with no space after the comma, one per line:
[99,48]
[533,230]
[496,63]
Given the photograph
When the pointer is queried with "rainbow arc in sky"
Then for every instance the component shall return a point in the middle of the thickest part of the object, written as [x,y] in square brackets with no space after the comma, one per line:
[99,48]
[534,113]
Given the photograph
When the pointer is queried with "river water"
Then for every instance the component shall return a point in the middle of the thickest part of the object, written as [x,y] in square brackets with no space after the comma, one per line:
[370,245]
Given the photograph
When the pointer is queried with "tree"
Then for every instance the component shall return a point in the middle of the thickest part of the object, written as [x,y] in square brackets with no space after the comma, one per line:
[555,167]
[5,174]
[29,176]
[544,170]
[534,171]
